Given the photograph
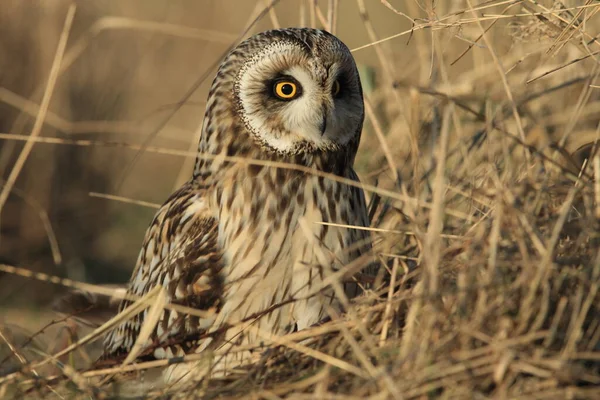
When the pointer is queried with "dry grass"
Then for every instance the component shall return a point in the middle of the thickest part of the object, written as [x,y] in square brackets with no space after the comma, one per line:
[479,161]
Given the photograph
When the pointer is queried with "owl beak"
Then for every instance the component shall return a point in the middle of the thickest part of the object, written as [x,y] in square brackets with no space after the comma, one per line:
[323,125]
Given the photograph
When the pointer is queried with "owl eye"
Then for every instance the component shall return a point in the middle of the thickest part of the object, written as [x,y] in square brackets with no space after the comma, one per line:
[335,90]
[285,90]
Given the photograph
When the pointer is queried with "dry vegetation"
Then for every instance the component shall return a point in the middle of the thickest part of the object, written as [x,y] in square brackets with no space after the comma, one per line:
[478,158]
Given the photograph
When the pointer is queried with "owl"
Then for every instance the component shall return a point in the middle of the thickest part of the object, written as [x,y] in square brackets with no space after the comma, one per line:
[246,241]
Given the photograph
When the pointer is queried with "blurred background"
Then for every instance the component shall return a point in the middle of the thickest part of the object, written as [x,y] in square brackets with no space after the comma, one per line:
[129,65]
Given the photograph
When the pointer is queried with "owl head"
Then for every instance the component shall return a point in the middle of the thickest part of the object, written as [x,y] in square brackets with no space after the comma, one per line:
[291,91]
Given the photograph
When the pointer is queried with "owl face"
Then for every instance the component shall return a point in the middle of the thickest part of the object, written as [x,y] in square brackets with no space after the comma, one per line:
[299,90]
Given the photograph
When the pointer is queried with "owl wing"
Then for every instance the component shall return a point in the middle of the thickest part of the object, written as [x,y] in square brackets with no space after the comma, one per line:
[360,238]
[361,215]
[181,253]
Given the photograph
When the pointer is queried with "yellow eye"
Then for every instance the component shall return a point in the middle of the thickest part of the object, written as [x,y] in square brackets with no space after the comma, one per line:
[335,90]
[285,90]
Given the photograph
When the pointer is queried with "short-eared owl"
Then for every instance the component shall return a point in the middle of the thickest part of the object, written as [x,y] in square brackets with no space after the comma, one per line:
[247,240]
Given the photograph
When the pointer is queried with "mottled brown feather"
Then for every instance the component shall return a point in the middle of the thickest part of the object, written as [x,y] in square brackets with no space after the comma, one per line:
[180,252]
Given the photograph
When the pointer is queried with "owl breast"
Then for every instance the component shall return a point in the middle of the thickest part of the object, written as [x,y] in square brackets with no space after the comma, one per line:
[278,251]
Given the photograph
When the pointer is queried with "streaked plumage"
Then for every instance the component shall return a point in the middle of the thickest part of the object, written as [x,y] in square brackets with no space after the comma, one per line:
[230,240]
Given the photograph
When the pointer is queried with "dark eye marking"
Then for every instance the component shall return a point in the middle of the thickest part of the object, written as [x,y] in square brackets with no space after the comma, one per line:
[284,88]
[336,88]
[340,86]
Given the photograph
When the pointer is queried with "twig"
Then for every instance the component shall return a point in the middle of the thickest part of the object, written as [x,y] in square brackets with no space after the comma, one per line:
[39,121]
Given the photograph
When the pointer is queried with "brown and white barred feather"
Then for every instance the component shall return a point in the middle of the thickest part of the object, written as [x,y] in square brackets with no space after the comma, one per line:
[180,253]
[231,239]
